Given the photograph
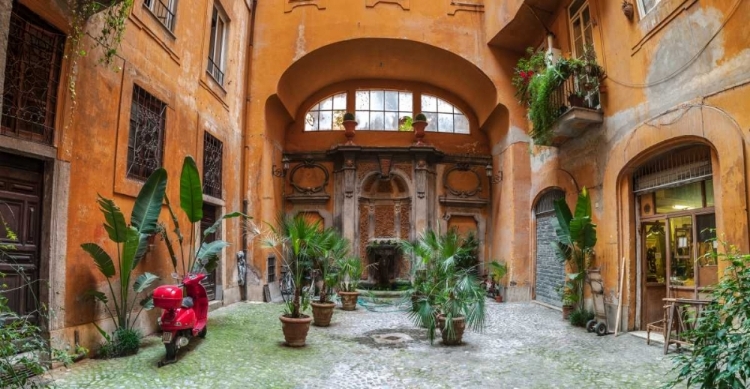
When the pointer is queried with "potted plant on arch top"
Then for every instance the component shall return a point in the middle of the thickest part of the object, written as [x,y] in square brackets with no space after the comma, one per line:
[295,240]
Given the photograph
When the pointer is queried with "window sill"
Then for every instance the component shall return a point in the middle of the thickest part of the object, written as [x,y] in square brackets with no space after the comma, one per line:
[659,17]
[159,22]
[208,83]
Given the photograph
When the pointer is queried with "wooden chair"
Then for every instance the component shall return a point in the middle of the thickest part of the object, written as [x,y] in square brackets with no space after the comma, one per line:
[680,319]
[659,325]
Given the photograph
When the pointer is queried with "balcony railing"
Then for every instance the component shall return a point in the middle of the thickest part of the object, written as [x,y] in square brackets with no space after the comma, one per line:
[162,11]
[215,71]
[576,92]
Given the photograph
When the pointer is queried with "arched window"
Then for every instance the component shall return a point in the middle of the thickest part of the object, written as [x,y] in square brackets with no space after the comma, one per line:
[443,116]
[383,109]
[327,115]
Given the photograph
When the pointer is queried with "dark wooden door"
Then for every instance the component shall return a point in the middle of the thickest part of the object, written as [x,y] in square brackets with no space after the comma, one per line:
[20,207]
[209,218]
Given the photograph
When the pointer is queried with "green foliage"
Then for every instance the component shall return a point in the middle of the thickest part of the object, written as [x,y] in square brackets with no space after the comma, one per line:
[720,357]
[131,242]
[206,258]
[536,79]
[420,117]
[348,116]
[330,248]
[574,244]
[580,317]
[298,242]
[123,342]
[467,258]
[349,273]
[406,124]
[440,286]
[498,270]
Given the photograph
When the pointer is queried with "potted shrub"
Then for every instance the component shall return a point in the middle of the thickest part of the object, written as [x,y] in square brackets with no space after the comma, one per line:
[498,270]
[349,275]
[450,298]
[418,124]
[349,125]
[295,240]
[330,247]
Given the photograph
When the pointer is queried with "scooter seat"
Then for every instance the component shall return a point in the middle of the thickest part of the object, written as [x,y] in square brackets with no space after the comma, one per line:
[187,302]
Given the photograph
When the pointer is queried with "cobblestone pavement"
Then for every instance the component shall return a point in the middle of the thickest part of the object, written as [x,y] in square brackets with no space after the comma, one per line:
[524,346]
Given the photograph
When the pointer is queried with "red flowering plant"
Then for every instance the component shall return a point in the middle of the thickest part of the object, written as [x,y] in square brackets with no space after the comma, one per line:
[525,70]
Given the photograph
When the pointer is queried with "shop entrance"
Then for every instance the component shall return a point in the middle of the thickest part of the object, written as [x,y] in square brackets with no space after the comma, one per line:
[677,229]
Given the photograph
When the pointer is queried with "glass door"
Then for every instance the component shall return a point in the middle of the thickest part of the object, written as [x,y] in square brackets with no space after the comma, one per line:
[682,258]
[655,269]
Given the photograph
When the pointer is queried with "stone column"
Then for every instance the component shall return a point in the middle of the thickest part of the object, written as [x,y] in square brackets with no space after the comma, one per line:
[5,8]
[349,203]
[421,195]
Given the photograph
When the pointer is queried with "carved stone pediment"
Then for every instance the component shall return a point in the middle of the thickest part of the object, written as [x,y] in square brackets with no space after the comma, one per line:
[309,180]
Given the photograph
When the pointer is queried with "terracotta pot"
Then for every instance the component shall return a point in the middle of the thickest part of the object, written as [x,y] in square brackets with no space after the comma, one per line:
[419,127]
[576,101]
[349,126]
[499,298]
[348,300]
[295,330]
[566,311]
[322,313]
[459,325]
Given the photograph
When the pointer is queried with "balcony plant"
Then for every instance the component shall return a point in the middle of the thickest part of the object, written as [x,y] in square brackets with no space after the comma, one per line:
[295,240]
[348,278]
[536,79]
[574,244]
[445,296]
[330,248]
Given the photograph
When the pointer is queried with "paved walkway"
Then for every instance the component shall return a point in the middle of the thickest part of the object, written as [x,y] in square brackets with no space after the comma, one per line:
[524,346]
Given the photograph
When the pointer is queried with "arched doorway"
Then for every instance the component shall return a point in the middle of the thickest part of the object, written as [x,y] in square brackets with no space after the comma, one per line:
[549,270]
[676,219]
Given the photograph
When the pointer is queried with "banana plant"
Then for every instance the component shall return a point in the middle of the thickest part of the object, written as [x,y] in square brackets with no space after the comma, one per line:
[576,238]
[131,241]
[206,257]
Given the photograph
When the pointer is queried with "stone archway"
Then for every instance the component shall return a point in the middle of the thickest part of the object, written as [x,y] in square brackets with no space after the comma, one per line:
[549,271]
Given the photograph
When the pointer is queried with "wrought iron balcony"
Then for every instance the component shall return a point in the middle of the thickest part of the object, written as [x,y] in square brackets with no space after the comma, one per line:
[215,72]
[163,12]
[578,102]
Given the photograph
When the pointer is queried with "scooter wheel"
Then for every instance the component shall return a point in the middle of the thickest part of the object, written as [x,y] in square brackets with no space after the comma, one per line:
[171,351]
[203,332]
[591,325]
[601,329]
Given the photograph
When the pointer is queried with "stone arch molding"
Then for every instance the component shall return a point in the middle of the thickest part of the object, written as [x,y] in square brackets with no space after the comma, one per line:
[387,59]
[397,172]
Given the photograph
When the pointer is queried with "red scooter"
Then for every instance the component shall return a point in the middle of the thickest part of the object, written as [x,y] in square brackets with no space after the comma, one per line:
[183,318]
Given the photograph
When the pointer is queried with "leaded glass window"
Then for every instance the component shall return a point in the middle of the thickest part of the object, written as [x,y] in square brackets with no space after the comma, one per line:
[383,109]
[443,116]
[327,115]
[146,136]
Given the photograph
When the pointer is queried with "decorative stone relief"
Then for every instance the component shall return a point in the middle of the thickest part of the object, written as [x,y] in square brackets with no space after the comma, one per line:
[309,178]
[364,228]
[289,5]
[405,210]
[462,181]
[404,4]
[465,5]
[406,168]
[384,223]
[364,168]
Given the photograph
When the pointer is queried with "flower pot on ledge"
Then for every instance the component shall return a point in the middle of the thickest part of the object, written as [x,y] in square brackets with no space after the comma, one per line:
[349,126]
[419,126]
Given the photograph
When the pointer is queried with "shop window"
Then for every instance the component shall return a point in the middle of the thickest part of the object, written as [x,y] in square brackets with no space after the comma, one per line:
[709,185]
[146,135]
[213,154]
[164,10]
[32,76]
[443,116]
[216,46]
[327,115]
[580,26]
[383,110]
[646,6]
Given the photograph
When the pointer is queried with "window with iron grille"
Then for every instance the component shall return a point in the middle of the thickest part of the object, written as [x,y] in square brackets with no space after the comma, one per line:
[146,137]
[271,268]
[164,10]
[212,158]
[32,76]
[216,45]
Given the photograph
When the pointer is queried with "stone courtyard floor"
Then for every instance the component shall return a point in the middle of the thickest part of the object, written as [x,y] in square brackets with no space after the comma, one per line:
[524,346]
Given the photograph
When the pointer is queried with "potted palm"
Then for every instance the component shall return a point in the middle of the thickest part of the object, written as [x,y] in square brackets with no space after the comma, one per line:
[330,247]
[447,296]
[498,270]
[295,240]
[348,278]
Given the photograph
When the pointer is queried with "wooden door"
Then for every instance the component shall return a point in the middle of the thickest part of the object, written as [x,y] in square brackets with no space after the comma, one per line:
[20,207]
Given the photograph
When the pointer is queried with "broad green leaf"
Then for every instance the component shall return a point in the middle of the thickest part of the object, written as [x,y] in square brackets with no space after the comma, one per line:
[208,255]
[583,205]
[562,218]
[147,205]
[114,220]
[147,303]
[101,258]
[191,192]
[213,228]
[101,331]
[127,260]
[98,296]
[140,252]
[143,282]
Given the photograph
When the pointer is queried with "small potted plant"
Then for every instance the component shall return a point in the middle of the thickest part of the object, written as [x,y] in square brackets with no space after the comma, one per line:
[349,275]
[295,239]
[418,124]
[349,125]
[498,270]
[330,247]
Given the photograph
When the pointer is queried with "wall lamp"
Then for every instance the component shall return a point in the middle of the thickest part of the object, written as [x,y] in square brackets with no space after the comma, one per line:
[284,168]
[494,178]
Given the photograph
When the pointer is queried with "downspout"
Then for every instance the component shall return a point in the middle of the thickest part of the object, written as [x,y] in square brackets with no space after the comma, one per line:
[245,147]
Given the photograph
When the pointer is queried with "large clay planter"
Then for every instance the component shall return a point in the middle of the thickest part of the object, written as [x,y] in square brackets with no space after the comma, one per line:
[419,126]
[348,300]
[566,311]
[322,313]
[459,325]
[295,330]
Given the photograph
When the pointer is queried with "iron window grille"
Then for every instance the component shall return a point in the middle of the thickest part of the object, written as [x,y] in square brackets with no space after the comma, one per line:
[679,167]
[213,155]
[146,136]
[165,13]
[32,76]
[271,266]
[216,46]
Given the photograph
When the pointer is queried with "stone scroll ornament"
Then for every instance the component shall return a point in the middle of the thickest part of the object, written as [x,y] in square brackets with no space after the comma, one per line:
[306,189]
[462,172]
